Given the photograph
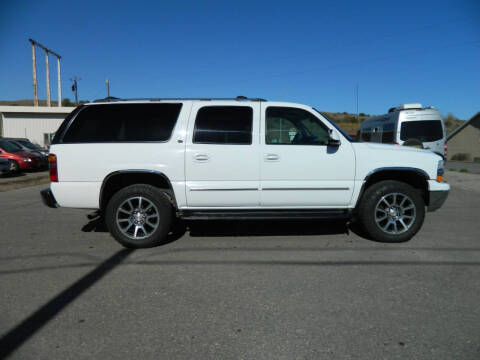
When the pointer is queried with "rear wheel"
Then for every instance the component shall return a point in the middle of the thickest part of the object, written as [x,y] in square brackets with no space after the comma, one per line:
[139,216]
[392,211]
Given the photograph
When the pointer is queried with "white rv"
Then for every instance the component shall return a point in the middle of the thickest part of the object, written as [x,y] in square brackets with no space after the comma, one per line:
[409,125]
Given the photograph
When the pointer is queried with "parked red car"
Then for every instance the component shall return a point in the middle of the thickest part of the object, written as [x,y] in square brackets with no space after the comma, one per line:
[19,159]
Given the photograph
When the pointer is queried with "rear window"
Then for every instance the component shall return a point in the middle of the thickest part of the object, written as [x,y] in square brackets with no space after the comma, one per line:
[123,123]
[425,131]
[224,125]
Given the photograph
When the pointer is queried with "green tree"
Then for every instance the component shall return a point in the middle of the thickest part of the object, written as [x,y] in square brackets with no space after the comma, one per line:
[67,102]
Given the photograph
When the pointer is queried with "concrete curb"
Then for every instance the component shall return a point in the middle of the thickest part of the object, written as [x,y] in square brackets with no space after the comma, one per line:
[16,183]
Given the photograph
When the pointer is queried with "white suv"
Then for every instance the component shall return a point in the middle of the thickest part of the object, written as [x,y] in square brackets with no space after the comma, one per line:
[143,163]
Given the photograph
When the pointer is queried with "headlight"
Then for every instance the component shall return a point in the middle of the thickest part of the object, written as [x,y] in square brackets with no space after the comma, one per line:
[440,170]
[27,160]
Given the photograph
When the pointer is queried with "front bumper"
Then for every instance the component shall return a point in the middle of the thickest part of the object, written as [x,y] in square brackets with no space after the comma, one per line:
[438,193]
[4,168]
[437,198]
[48,198]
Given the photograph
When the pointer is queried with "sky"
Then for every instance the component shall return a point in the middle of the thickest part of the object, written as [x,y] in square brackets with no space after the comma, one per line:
[315,53]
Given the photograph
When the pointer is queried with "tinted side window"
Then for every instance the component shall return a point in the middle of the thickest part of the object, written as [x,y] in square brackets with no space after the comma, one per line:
[64,124]
[425,130]
[388,136]
[123,123]
[366,134]
[223,125]
[293,126]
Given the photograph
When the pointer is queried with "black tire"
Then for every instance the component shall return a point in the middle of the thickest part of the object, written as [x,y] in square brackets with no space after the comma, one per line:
[413,143]
[14,167]
[150,194]
[372,209]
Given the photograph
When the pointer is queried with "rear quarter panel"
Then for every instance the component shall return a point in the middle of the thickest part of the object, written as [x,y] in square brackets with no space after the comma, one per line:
[82,168]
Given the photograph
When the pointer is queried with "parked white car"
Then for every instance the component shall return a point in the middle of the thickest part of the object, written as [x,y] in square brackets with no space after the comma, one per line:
[144,162]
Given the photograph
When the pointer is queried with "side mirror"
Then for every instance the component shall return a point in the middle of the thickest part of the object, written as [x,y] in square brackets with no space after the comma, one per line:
[333,138]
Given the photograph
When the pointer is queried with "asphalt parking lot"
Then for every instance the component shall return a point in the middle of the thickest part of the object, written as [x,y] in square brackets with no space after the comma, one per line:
[289,290]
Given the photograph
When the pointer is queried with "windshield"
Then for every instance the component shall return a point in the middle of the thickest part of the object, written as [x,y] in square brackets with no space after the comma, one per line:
[28,144]
[9,146]
[425,131]
[335,125]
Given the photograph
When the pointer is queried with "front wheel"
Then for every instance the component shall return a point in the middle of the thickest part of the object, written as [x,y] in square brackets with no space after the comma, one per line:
[14,167]
[392,211]
[139,216]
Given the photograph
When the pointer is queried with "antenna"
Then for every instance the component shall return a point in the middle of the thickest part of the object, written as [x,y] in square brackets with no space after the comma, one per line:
[358,119]
[107,83]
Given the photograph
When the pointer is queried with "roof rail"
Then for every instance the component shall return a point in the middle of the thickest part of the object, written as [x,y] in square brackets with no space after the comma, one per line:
[238,98]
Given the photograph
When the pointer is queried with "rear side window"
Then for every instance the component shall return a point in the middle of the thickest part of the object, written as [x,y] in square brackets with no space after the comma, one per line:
[425,130]
[123,123]
[224,125]
[59,133]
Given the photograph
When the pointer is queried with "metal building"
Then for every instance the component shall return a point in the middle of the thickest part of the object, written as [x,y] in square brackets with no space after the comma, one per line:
[465,141]
[35,123]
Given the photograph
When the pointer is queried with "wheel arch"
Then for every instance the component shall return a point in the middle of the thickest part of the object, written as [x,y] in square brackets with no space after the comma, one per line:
[415,177]
[120,179]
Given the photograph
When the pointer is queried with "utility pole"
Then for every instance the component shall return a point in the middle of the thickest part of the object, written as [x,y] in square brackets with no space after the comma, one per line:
[59,84]
[47,74]
[34,65]
[75,88]
[107,83]
[47,51]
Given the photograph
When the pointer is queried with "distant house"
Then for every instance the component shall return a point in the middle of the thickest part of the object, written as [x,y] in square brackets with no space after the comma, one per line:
[35,123]
[464,141]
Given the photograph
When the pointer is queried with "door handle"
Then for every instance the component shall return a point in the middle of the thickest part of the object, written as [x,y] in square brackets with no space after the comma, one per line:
[201,157]
[272,157]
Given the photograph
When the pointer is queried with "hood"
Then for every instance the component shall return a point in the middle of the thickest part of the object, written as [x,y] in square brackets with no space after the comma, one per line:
[371,156]
[390,147]
[27,154]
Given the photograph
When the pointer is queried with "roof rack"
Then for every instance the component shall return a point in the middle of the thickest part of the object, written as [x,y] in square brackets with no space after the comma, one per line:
[115,99]
[406,107]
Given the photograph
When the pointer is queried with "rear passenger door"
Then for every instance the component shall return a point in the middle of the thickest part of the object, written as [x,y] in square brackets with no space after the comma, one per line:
[222,167]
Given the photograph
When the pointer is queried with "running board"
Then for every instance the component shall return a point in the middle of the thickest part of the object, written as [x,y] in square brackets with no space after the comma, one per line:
[291,214]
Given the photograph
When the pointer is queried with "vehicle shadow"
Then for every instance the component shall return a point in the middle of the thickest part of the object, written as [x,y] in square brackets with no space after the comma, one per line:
[266,228]
[97,224]
[249,228]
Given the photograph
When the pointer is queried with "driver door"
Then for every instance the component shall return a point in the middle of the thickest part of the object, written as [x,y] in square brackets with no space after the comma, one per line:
[298,168]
